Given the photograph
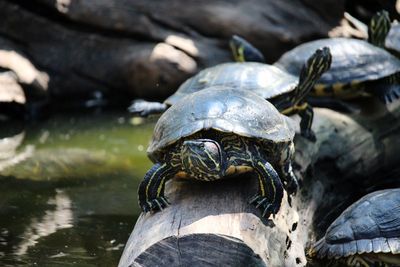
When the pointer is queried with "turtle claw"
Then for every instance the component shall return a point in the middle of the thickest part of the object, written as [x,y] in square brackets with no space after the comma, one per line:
[154,205]
[264,205]
[291,187]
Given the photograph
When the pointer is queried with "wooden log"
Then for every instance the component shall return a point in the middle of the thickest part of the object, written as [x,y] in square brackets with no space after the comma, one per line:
[148,48]
[211,224]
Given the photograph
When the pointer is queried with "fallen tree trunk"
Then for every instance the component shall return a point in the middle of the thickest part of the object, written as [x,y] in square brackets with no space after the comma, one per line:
[211,224]
[148,48]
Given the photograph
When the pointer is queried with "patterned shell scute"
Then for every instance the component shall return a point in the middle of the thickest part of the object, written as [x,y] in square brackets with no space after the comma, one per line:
[372,224]
[393,38]
[352,60]
[223,109]
[265,80]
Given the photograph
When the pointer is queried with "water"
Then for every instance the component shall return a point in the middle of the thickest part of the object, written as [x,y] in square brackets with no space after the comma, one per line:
[68,189]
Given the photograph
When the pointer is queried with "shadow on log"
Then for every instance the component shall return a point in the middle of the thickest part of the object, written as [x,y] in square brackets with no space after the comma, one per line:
[207,223]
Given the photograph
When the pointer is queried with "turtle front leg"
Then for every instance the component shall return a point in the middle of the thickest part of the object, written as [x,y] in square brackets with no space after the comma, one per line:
[291,183]
[144,108]
[151,189]
[270,191]
[307,114]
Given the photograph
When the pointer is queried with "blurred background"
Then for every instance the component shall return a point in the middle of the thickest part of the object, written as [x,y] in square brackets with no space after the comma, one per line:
[71,156]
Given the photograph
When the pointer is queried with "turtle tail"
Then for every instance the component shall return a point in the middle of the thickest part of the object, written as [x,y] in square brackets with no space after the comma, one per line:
[378,29]
[316,65]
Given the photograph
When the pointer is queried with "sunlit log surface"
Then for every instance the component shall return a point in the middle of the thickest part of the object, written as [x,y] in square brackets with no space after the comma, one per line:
[211,224]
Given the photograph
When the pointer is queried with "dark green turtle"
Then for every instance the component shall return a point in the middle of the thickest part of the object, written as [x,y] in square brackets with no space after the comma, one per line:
[243,51]
[216,133]
[285,91]
[358,68]
[366,233]
[383,33]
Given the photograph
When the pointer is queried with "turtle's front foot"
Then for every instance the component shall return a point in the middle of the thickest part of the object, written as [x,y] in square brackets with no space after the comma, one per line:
[156,204]
[265,206]
[292,186]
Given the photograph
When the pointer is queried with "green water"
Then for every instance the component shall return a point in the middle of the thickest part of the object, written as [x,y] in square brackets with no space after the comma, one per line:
[68,189]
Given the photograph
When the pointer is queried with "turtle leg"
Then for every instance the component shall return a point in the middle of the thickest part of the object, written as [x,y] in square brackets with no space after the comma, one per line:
[307,114]
[270,191]
[386,89]
[144,108]
[243,51]
[151,189]
[291,183]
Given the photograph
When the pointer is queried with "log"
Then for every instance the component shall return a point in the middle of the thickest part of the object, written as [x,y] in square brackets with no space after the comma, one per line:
[211,224]
[148,48]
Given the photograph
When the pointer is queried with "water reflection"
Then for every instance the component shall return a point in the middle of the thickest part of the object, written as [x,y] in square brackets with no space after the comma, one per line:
[8,151]
[69,189]
[52,221]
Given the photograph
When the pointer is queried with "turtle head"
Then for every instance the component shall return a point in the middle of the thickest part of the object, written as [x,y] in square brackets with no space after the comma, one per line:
[203,159]
[243,51]
[316,65]
[378,29]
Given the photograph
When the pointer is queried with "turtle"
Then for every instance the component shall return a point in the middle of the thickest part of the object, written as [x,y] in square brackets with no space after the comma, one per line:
[217,133]
[285,91]
[366,232]
[243,51]
[358,69]
[383,33]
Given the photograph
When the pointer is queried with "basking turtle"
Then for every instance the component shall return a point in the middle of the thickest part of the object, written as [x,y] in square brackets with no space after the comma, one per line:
[216,133]
[383,33]
[358,68]
[285,91]
[366,232]
[243,51]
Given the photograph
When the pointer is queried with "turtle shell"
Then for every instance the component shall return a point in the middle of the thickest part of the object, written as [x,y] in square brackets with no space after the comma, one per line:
[352,61]
[265,80]
[370,225]
[223,109]
[392,40]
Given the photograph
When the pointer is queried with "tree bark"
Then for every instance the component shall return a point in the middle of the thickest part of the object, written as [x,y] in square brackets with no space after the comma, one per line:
[211,224]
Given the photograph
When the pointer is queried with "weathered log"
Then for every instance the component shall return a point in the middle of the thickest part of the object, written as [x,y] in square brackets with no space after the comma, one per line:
[148,48]
[211,224]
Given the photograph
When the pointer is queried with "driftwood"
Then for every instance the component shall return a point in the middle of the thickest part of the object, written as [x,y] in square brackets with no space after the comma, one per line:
[148,48]
[211,224]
